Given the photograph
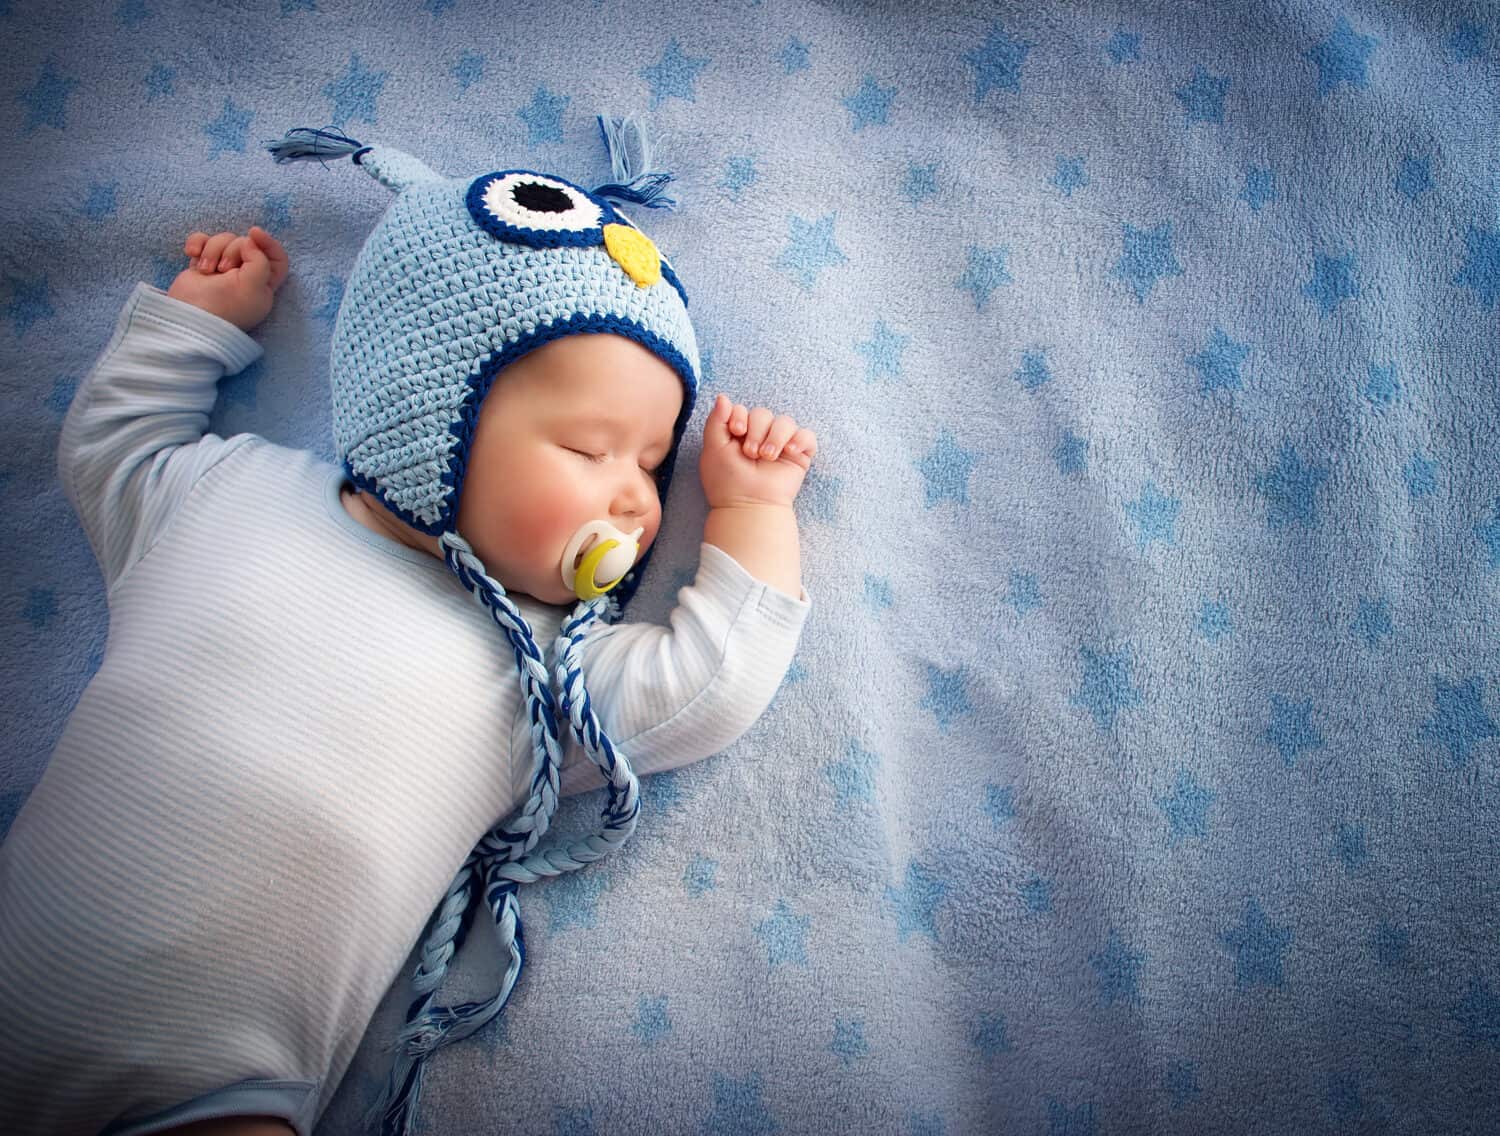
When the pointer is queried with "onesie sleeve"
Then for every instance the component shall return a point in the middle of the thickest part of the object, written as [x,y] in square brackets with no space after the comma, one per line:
[134,440]
[671,695]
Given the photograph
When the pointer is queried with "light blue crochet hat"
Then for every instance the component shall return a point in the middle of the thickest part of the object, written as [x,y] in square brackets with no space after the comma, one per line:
[460,277]
[463,276]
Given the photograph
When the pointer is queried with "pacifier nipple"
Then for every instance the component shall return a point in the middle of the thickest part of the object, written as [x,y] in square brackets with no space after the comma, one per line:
[597,558]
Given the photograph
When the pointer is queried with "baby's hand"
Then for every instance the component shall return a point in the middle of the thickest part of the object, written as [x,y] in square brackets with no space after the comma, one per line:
[753,456]
[233,277]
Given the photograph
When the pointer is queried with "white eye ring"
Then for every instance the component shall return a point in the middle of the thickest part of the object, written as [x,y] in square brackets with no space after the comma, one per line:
[502,199]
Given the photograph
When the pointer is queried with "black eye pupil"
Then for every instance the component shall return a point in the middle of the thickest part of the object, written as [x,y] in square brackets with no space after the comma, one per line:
[541,198]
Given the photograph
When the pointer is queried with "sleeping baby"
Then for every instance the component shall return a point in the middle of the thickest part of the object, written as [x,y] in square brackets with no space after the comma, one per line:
[327,710]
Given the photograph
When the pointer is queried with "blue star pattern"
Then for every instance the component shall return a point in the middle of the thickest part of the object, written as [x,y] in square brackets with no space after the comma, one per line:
[543,116]
[1214,620]
[229,130]
[915,902]
[1259,946]
[849,1043]
[985,272]
[1123,47]
[1218,363]
[1186,809]
[999,803]
[1071,454]
[1349,845]
[794,56]
[1481,269]
[161,83]
[1154,515]
[468,70]
[853,776]
[47,100]
[1064,1120]
[1478,1015]
[997,63]
[739,174]
[1117,969]
[1341,58]
[1382,385]
[1202,99]
[1182,1082]
[947,695]
[1374,621]
[811,249]
[573,900]
[1468,42]
[921,183]
[1024,594]
[784,935]
[989,1036]
[353,93]
[870,105]
[1147,258]
[882,352]
[1291,490]
[1291,730]
[652,1022]
[945,469]
[1107,688]
[1036,894]
[30,301]
[1459,723]
[1488,533]
[1415,177]
[1260,188]
[1334,280]
[1070,174]
[698,880]
[674,75]
[1033,371]
[738,1108]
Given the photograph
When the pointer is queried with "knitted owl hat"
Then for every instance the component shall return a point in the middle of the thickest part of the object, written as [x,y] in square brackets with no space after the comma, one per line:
[461,277]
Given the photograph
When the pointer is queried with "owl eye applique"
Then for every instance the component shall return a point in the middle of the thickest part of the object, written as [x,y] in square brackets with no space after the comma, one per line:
[537,209]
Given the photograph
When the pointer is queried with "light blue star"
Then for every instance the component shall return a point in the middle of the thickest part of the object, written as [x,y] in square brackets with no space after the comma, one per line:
[1106,688]
[699,877]
[468,70]
[945,470]
[1123,47]
[1341,58]
[227,132]
[1146,258]
[1481,271]
[354,93]
[997,63]
[1064,1121]
[1489,533]
[810,249]
[1203,99]
[573,900]
[878,593]
[1382,386]
[849,1040]
[1218,363]
[277,211]
[1155,515]
[161,83]
[1291,490]
[989,1036]
[100,202]
[1374,621]
[1479,1014]
[30,300]
[1186,809]
[1214,620]
[543,116]
[870,105]
[47,101]
[290,6]
[853,777]
[1024,595]
[1260,188]
[1070,174]
[1421,480]
[573,1121]
[882,353]
[1258,946]
[947,695]
[921,183]
[1036,894]
[1469,41]
[739,174]
[1118,969]
[1071,454]
[1349,845]
[41,607]
[63,390]
[822,492]
[1333,281]
[738,1108]
[651,1020]
[333,298]
[1415,177]
[915,903]
[985,272]
[793,56]
[1182,1082]
[673,75]
[999,803]
[663,792]
[1033,371]
[437,7]
[784,935]
[1390,944]
[1459,721]
[1291,730]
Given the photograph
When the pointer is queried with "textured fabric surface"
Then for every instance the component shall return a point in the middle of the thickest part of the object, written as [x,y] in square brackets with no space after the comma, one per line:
[1139,770]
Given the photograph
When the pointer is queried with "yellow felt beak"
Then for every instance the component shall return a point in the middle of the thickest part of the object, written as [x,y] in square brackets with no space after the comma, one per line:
[633,251]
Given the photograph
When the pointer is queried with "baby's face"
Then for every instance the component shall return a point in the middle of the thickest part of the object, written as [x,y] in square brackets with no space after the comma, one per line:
[569,433]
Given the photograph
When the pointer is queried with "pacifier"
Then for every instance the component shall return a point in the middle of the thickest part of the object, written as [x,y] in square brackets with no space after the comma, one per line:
[607,554]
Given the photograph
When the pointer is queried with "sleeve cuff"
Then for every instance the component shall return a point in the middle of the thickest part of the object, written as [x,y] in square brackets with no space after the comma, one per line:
[721,574]
[218,338]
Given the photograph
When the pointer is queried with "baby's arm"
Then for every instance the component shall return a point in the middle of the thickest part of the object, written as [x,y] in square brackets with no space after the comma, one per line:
[133,444]
[752,466]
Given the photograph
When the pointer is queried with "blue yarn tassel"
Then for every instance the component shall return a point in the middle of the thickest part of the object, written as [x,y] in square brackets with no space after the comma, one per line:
[630,161]
[304,144]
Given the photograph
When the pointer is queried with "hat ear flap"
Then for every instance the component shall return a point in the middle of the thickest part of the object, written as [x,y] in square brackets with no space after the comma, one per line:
[393,169]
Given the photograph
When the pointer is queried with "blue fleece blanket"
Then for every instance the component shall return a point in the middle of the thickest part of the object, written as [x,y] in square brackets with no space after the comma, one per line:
[1140,769]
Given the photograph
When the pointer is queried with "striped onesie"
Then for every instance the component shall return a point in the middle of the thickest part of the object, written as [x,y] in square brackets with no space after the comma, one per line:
[297,734]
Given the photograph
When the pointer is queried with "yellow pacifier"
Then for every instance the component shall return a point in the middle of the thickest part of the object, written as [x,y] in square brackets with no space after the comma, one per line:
[598,557]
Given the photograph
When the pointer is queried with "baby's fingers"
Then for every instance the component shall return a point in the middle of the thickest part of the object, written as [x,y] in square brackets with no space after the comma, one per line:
[777,436]
[274,252]
[194,245]
[802,447]
[755,432]
[208,259]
